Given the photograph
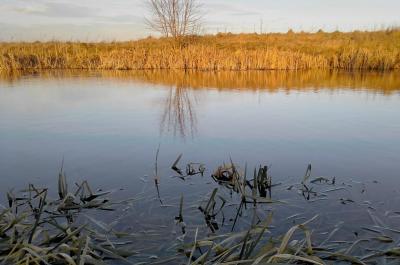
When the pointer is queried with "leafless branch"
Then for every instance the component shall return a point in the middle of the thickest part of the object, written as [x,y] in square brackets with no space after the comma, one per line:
[174,18]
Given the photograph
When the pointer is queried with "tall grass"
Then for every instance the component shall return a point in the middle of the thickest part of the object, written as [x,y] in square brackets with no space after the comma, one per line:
[379,50]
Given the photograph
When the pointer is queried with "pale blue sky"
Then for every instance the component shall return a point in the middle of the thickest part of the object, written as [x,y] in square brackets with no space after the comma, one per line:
[96,20]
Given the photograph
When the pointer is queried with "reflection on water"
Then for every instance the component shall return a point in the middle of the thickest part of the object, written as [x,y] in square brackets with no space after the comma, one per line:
[179,106]
[273,81]
[107,126]
[104,122]
[179,114]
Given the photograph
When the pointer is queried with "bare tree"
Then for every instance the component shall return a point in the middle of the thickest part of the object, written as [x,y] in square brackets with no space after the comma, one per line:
[174,18]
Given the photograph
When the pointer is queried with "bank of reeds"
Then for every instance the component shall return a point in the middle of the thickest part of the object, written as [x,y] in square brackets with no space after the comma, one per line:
[379,50]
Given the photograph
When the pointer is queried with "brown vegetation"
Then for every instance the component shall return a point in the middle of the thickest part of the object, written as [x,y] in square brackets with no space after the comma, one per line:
[378,50]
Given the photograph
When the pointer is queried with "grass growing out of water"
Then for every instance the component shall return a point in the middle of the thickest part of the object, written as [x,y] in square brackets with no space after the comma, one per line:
[379,50]
[257,246]
[35,229]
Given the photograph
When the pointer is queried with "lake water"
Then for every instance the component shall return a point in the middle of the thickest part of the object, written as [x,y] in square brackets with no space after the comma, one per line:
[108,125]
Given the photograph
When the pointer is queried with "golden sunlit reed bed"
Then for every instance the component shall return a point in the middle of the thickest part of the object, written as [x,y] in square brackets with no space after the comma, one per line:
[379,50]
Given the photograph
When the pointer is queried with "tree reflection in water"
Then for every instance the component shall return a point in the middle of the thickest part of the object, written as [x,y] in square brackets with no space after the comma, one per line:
[179,114]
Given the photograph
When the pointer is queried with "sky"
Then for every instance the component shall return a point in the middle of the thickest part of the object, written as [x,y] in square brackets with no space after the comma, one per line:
[106,20]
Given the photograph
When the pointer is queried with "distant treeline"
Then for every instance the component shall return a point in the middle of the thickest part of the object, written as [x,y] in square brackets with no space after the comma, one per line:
[378,50]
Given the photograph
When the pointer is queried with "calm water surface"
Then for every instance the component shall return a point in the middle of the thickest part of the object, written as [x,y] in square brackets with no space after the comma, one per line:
[107,126]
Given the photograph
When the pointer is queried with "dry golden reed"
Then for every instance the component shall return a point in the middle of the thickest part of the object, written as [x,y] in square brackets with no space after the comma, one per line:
[378,50]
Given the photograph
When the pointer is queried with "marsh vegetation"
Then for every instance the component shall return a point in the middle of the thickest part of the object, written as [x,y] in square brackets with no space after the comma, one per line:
[287,99]
[233,223]
[357,50]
